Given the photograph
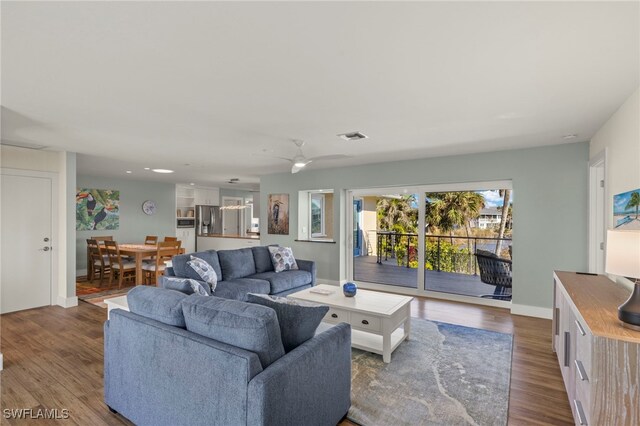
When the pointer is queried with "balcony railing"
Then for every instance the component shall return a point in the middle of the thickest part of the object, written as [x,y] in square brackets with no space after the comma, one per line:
[443,252]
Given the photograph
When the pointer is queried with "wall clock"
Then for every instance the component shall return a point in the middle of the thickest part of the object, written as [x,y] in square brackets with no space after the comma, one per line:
[149,207]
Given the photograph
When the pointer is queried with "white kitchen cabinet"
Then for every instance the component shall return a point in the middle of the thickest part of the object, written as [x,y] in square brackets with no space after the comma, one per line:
[207,196]
[188,238]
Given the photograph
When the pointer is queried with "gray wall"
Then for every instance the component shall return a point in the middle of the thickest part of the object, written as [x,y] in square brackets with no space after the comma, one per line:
[550,211]
[134,224]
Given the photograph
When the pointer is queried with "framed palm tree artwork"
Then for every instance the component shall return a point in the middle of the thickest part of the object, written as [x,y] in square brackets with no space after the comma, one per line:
[626,210]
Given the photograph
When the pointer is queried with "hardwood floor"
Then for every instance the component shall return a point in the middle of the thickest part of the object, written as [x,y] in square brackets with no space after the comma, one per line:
[53,360]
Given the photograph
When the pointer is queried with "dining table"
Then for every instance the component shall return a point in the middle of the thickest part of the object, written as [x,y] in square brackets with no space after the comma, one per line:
[139,252]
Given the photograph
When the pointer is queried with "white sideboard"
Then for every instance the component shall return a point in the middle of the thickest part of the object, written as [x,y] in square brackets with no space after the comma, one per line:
[599,358]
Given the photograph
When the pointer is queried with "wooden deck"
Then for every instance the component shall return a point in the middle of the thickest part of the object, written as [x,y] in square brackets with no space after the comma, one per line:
[366,269]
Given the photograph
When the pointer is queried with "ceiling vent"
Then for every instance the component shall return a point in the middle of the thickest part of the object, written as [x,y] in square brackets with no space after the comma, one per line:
[353,136]
[22,144]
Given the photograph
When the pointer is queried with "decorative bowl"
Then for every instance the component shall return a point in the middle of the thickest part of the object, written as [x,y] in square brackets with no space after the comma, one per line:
[349,289]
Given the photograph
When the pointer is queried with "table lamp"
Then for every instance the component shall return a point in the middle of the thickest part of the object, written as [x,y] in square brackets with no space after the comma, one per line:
[623,258]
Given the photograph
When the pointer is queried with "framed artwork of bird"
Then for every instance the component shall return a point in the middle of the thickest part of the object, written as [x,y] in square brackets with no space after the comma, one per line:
[278,214]
[97,209]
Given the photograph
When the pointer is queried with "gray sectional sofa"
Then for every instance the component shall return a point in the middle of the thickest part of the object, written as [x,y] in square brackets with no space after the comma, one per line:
[179,359]
[242,271]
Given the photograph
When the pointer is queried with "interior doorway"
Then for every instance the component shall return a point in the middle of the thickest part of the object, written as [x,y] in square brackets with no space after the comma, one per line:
[28,265]
[231,215]
[597,213]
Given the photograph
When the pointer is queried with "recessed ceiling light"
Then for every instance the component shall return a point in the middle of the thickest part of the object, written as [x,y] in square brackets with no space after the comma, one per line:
[162,170]
[571,136]
[129,172]
[147,168]
[353,136]
[191,183]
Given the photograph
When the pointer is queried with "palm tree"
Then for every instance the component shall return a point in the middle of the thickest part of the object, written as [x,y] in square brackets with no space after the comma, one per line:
[397,214]
[506,194]
[634,201]
[448,210]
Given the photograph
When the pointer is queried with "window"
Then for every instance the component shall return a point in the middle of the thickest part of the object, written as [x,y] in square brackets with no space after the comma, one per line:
[317,215]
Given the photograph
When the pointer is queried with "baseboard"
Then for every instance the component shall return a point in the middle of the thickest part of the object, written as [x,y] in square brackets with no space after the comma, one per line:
[67,302]
[81,273]
[531,311]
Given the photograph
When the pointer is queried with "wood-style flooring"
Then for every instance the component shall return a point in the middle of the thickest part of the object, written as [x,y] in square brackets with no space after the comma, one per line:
[53,359]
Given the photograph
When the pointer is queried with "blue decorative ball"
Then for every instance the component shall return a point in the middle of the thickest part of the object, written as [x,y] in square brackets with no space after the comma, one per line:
[349,289]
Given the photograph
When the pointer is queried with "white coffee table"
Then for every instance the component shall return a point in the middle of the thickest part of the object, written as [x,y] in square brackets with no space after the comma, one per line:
[375,317]
[119,302]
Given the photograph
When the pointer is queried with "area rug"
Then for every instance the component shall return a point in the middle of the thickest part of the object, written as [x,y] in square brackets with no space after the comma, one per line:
[97,298]
[444,375]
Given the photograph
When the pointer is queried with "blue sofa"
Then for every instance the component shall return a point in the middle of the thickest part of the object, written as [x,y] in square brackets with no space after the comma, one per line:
[163,366]
[242,271]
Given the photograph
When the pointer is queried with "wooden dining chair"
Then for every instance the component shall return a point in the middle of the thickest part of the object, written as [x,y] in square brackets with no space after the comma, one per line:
[170,239]
[103,238]
[120,267]
[151,239]
[98,261]
[165,252]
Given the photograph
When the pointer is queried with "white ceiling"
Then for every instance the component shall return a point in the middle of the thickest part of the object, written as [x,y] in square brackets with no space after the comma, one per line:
[212,85]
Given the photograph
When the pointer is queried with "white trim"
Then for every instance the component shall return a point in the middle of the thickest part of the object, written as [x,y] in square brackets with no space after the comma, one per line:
[67,302]
[531,311]
[1,362]
[598,161]
[437,187]
[55,234]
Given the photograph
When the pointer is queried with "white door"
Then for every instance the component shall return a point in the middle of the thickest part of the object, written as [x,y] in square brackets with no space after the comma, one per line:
[597,213]
[26,243]
[231,217]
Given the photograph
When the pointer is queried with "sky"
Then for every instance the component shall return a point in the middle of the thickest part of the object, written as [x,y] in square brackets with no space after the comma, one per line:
[493,199]
[620,202]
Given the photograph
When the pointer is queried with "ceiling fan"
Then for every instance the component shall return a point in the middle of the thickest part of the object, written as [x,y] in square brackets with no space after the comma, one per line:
[299,161]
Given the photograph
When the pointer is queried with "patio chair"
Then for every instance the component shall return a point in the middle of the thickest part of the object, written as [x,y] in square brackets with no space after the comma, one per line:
[495,271]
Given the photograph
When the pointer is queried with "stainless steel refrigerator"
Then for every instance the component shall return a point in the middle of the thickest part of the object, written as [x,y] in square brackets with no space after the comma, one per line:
[208,220]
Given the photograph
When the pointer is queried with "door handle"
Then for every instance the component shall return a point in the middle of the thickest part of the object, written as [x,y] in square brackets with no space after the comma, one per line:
[334,315]
[45,248]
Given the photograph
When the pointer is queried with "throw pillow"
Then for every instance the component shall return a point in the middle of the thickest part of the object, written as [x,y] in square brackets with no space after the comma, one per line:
[282,258]
[298,320]
[205,271]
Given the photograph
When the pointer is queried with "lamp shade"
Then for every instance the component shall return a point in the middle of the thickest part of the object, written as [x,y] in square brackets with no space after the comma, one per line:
[623,253]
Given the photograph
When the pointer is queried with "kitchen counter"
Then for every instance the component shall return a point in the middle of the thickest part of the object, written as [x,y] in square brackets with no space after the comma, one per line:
[225,242]
[249,236]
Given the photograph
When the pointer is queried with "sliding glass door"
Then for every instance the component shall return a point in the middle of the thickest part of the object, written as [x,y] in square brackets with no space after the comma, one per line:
[441,239]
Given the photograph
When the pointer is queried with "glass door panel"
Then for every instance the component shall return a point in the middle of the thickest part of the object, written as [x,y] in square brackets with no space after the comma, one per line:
[386,239]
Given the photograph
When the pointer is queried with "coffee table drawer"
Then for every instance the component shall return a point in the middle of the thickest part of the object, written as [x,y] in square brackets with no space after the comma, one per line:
[336,315]
[365,322]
